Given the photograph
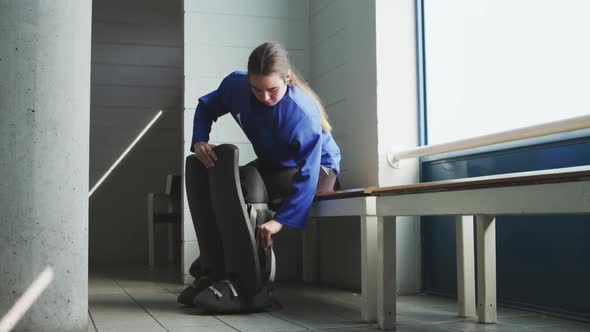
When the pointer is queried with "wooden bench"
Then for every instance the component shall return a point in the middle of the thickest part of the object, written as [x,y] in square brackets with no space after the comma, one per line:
[558,191]
[359,202]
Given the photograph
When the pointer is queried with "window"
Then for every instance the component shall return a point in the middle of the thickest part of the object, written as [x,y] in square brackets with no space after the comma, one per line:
[495,65]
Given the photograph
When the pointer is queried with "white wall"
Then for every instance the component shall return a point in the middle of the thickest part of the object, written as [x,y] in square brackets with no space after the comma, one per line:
[342,50]
[136,71]
[397,110]
[218,38]
[363,64]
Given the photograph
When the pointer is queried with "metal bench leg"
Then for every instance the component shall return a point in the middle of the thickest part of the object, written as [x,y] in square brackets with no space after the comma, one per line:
[386,273]
[369,268]
[486,268]
[311,259]
[465,266]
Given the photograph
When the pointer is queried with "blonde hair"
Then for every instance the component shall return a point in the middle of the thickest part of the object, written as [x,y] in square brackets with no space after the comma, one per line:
[270,58]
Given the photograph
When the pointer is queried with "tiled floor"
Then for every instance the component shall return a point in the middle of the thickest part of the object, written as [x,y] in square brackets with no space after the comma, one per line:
[122,301]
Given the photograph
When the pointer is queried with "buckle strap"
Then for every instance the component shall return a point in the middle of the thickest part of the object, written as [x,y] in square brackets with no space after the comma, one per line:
[231,287]
[215,291]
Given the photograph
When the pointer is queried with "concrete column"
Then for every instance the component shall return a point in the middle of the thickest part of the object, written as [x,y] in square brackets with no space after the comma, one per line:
[44,135]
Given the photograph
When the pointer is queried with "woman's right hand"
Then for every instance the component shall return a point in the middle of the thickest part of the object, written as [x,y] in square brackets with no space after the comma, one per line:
[204,152]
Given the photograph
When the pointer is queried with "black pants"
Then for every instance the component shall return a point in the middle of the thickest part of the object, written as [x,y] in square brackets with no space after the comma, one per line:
[278,185]
[278,180]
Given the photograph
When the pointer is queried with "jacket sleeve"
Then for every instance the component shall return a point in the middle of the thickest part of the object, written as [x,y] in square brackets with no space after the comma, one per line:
[306,144]
[209,109]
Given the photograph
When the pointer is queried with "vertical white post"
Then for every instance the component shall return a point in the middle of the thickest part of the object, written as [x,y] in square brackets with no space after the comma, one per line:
[465,266]
[486,268]
[369,267]
[386,273]
[311,260]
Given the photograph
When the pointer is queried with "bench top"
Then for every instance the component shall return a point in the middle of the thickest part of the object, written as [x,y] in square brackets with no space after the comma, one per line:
[558,175]
[348,193]
[568,174]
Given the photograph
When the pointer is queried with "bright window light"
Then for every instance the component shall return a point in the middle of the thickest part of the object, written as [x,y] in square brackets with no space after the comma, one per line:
[118,161]
[22,305]
[496,65]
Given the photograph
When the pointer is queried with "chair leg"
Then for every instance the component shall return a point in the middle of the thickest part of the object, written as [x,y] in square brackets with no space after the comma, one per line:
[170,242]
[150,229]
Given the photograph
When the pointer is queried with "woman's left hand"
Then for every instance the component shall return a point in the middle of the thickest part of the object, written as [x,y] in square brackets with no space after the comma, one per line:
[265,231]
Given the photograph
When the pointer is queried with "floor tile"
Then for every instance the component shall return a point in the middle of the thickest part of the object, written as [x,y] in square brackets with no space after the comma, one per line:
[133,329]
[128,300]
[91,327]
[472,325]
[425,315]
[221,328]
[259,322]
[538,321]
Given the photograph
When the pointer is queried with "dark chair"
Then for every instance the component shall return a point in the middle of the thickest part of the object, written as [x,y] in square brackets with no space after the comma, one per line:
[164,208]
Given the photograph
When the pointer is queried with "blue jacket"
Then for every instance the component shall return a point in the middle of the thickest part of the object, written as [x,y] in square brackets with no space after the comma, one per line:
[288,134]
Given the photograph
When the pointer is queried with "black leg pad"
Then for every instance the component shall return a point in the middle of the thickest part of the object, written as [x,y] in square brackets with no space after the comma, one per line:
[237,233]
[211,260]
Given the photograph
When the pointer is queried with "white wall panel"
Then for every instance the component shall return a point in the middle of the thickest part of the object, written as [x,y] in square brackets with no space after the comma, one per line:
[364,70]
[197,86]
[192,247]
[211,61]
[398,121]
[188,233]
[201,79]
[244,31]
[339,114]
[330,54]
[327,21]
[317,5]
[226,129]
[333,86]
[343,74]
[222,60]
[276,9]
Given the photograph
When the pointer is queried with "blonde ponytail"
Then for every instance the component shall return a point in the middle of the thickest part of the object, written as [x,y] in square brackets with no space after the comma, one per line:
[297,80]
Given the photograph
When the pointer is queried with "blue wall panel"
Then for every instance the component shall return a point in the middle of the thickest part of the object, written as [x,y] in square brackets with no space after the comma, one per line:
[543,262]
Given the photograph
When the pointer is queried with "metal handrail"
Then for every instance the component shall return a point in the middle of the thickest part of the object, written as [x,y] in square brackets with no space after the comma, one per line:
[394,156]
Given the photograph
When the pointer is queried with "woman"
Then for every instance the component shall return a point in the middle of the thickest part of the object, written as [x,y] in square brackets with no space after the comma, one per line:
[289,131]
